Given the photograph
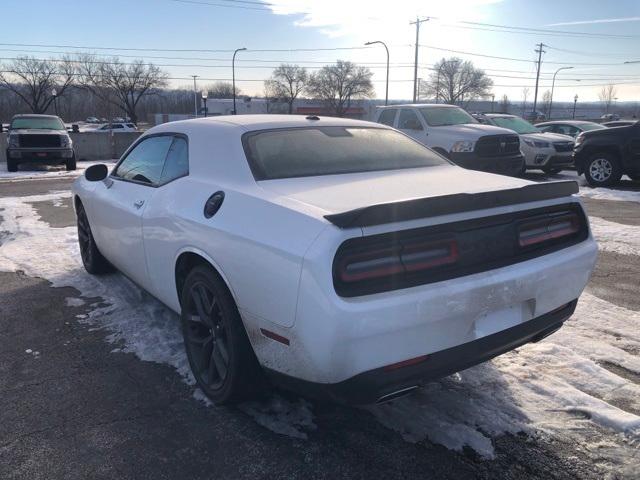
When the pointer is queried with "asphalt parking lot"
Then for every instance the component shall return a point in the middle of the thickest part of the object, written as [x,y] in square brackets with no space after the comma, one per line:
[83,396]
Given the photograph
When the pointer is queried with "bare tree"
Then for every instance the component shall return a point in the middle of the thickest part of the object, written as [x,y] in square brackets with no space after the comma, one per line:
[504,104]
[221,90]
[33,80]
[120,84]
[456,81]
[525,94]
[607,95]
[546,102]
[288,82]
[338,85]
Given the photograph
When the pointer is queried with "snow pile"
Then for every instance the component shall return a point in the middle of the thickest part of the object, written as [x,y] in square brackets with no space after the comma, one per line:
[610,194]
[616,237]
[579,385]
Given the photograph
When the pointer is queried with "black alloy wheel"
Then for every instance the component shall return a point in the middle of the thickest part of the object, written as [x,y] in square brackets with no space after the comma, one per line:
[218,349]
[92,259]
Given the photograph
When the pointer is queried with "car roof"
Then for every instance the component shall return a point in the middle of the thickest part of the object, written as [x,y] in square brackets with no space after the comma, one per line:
[567,122]
[266,122]
[33,115]
[418,105]
[497,115]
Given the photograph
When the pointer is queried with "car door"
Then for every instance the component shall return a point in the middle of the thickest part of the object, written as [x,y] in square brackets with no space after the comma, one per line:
[163,233]
[120,201]
[410,124]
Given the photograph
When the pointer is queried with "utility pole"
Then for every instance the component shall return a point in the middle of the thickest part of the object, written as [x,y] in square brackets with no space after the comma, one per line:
[415,65]
[539,51]
[195,96]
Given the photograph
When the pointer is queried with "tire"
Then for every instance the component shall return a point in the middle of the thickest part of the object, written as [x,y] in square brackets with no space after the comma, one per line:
[218,349]
[12,165]
[551,170]
[93,261]
[603,170]
[71,163]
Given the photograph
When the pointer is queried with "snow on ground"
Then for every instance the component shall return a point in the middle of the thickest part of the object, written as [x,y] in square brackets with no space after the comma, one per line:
[31,171]
[610,194]
[579,385]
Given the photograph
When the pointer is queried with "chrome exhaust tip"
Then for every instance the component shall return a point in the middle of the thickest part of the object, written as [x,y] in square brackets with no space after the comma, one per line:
[403,392]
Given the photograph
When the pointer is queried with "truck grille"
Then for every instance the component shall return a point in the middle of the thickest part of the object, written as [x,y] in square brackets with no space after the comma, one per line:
[39,141]
[563,146]
[497,146]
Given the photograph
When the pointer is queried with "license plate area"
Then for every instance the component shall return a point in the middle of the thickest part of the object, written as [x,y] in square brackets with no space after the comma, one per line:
[498,320]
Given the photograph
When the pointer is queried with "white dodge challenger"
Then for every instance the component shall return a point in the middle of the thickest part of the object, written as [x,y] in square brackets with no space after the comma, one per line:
[336,257]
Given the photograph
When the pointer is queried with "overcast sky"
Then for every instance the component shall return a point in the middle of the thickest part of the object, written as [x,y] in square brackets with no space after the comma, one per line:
[605,35]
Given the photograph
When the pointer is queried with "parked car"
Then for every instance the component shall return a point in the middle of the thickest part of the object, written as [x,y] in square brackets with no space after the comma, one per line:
[610,116]
[39,138]
[607,154]
[550,152]
[455,134]
[619,123]
[92,120]
[573,128]
[535,117]
[117,127]
[339,257]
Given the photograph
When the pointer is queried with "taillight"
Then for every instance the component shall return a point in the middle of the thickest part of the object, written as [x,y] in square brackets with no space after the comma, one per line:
[406,257]
[548,228]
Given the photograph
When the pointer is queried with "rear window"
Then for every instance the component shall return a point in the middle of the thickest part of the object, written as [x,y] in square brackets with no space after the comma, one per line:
[441,116]
[591,126]
[304,152]
[37,123]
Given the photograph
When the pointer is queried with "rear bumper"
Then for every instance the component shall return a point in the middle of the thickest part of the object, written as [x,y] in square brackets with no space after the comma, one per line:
[382,383]
[40,155]
[508,165]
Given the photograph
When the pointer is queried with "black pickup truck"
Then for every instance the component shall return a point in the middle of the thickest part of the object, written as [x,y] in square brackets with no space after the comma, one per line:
[40,139]
[605,155]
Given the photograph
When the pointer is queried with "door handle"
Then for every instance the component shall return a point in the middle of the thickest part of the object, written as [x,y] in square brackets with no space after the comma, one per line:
[138,204]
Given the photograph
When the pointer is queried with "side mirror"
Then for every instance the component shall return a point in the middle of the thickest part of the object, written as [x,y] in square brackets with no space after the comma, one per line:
[96,173]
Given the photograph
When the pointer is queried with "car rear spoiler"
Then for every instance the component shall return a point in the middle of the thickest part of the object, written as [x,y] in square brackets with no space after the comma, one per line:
[447,204]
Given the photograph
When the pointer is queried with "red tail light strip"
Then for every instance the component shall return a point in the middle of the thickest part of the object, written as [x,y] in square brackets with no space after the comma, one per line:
[544,230]
[385,262]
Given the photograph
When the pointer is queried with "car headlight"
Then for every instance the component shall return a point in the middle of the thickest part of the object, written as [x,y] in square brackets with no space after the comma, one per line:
[462,146]
[13,141]
[536,143]
[65,141]
[579,139]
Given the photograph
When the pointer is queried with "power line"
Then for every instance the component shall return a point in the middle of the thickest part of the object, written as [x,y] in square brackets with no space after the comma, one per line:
[243,7]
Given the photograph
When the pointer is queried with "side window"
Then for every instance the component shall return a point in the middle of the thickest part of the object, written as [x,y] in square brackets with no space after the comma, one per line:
[409,120]
[387,116]
[573,131]
[115,126]
[145,162]
[177,163]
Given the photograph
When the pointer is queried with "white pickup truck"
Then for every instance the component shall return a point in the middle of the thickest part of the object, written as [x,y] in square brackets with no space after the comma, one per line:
[452,132]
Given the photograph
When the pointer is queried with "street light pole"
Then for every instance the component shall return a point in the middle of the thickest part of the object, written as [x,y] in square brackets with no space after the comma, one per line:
[54,94]
[575,101]
[195,96]
[204,99]
[233,76]
[386,91]
[553,84]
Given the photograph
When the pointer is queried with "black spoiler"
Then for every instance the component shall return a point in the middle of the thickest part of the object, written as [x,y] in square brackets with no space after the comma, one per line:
[447,204]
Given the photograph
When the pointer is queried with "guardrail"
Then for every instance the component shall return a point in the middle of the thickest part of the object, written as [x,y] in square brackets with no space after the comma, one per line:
[91,145]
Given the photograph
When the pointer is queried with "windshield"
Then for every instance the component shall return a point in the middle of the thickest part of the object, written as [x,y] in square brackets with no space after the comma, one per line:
[517,124]
[591,126]
[303,152]
[441,116]
[37,123]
